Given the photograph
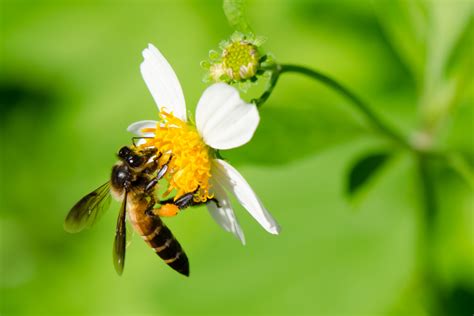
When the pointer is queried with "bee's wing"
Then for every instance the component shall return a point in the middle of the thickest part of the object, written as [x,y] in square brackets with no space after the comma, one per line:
[88,210]
[130,234]
[120,238]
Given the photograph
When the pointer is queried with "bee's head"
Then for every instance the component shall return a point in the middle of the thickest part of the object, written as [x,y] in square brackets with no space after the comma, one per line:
[130,157]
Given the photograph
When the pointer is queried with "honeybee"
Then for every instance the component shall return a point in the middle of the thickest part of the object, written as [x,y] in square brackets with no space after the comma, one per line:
[133,182]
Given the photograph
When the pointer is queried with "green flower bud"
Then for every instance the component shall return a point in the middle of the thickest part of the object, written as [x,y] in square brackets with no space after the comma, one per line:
[239,61]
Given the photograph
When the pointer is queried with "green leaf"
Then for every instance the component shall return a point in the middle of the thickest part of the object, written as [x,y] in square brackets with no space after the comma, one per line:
[460,57]
[448,23]
[234,10]
[449,76]
[405,24]
[363,170]
[458,71]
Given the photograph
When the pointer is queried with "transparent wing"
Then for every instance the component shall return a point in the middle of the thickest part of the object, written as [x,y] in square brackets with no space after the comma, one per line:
[120,238]
[88,210]
[130,234]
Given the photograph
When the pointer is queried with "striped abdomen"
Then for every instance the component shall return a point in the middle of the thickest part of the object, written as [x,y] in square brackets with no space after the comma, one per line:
[167,247]
[159,237]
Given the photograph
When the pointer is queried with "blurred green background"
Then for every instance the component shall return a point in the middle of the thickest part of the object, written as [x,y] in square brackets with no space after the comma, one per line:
[70,85]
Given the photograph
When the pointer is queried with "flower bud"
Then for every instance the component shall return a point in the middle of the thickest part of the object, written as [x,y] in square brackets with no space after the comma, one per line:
[239,61]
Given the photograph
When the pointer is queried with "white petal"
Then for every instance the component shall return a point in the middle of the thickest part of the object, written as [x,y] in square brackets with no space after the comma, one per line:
[224,215]
[162,82]
[232,180]
[223,119]
[137,127]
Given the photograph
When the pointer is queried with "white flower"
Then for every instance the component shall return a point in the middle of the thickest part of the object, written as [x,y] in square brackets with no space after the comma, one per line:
[223,121]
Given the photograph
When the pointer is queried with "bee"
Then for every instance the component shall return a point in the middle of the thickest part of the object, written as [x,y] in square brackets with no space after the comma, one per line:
[133,182]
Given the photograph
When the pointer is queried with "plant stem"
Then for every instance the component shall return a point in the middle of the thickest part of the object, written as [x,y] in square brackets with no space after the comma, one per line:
[276,71]
[361,106]
[428,191]
[430,210]
[422,155]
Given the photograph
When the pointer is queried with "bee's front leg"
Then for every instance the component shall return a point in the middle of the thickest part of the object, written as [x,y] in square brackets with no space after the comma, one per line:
[161,173]
[153,165]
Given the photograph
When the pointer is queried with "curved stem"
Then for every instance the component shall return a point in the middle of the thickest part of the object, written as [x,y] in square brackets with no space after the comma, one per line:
[356,101]
[276,71]
[376,122]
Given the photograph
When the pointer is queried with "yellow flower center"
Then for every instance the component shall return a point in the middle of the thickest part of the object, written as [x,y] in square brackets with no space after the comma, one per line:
[189,167]
[240,60]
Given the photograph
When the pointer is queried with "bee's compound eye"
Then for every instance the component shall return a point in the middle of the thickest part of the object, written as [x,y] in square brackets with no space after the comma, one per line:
[134,161]
[124,152]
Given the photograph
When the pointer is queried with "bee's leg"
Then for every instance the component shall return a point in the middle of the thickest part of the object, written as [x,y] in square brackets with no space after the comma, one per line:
[161,173]
[214,200]
[170,207]
[153,182]
[167,201]
[187,200]
[151,185]
[167,210]
[152,166]
[184,201]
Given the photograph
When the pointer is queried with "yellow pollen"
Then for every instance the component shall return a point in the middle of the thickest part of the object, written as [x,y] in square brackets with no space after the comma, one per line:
[189,168]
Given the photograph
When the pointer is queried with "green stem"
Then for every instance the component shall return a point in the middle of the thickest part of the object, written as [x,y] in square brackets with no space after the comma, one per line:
[275,74]
[423,158]
[428,191]
[361,106]
[430,209]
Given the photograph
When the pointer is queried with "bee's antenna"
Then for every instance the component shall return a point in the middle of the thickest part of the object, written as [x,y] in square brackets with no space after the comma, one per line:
[139,137]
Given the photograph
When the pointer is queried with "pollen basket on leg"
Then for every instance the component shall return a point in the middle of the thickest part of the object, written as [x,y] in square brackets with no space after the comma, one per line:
[189,168]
